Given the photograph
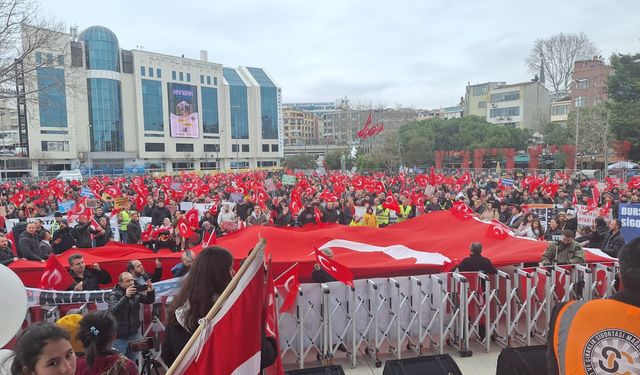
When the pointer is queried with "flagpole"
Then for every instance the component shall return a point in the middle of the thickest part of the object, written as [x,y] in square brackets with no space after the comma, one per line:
[259,249]
[287,270]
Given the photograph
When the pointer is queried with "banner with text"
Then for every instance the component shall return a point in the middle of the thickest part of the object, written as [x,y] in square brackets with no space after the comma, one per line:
[629,215]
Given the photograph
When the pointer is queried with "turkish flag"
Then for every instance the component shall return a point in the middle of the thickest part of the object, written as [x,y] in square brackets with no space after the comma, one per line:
[95,225]
[289,283]
[239,316]
[461,210]
[499,232]
[139,202]
[147,233]
[78,210]
[18,198]
[464,179]
[192,217]
[335,269]
[55,276]
[271,323]
[318,215]
[113,191]
[634,183]
[184,228]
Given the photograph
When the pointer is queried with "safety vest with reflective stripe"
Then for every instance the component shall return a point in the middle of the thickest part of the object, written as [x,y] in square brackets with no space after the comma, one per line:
[382,215]
[404,213]
[597,337]
[125,220]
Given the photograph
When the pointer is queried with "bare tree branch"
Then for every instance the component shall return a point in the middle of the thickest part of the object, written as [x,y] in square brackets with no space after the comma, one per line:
[559,53]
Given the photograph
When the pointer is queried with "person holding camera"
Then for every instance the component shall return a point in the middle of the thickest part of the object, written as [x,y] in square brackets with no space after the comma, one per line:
[564,251]
[96,332]
[124,304]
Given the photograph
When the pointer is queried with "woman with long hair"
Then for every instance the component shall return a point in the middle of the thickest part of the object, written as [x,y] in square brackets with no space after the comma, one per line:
[97,332]
[43,349]
[209,275]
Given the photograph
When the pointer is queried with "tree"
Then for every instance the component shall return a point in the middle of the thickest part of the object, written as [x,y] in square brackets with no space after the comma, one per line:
[624,91]
[22,32]
[593,130]
[299,162]
[557,134]
[558,54]
[334,159]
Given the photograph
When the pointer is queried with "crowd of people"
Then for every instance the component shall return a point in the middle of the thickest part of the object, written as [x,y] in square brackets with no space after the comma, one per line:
[234,201]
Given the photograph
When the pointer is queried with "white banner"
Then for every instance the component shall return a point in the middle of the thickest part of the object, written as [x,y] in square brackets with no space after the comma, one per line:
[587,218]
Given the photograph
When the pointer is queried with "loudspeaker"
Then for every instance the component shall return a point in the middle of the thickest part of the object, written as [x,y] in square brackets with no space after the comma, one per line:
[433,364]
[327,370]
[528,360]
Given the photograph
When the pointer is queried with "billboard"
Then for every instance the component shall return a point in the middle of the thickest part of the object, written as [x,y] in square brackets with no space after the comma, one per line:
[183,111]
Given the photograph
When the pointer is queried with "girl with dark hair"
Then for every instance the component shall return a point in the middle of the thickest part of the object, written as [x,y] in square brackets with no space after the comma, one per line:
[210,273]
[97,331]
[43,349]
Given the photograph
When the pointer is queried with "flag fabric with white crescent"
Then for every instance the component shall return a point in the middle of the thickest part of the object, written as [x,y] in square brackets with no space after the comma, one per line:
[289,283]
[335,269]
[271,323]
[55,276]
[215,351]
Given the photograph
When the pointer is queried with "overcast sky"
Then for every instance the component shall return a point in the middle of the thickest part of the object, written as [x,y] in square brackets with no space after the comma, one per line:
[417,53]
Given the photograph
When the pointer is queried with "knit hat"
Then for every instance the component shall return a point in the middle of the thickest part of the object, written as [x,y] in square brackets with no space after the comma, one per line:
[71,323]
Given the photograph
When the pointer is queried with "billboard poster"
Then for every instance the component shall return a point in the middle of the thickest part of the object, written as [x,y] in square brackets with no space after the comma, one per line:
[183,111]
[629,215]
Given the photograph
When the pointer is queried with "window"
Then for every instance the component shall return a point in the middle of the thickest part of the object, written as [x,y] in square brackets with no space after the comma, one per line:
[268,103]
[501,112]
[265,148]
[505,96]
[55,145]
[61,60]
[150,72]
[152,105]
[181,75]
[208,165]
[482,104]
[559,110]
[50,58]
[154,135]
[580,101]
[239,164]
[105,114]
[245,148]
[267,164]
[238,103]
[54,132]
[215,81]
[479,90]
[583,84]
[211,148]
[234,148]
[183,166]
[274,148]
[142,71]
[154,147]
[188,77]
[210,122]
[127,61]
[38,58]
[184,147]
[52,99]
[208,80]
[173,75]
[201,79]
[159,73]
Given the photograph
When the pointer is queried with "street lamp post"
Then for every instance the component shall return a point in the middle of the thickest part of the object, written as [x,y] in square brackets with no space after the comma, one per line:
[4,148]
[90,166]
[575,162]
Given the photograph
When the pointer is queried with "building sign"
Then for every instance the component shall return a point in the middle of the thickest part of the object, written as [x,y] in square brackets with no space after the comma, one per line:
[183,111]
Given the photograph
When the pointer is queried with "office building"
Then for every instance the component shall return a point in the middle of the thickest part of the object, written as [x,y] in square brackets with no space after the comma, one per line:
[101,108]
[300,128]
[523,105]
[589,85]
[476,98]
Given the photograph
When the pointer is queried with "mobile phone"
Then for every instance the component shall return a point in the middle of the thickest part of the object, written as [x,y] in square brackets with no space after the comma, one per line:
[141,288]
[142,345]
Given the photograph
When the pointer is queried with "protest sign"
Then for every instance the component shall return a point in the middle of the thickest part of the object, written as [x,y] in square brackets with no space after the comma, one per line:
[629,215]
[288,179]
[121,202]
[66,206]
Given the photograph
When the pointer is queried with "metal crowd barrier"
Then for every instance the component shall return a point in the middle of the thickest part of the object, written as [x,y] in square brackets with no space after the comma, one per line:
[411,315]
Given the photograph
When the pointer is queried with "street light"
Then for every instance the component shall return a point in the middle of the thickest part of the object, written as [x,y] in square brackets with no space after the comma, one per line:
[4,148]
[575,160]
[89,148]
[236,107]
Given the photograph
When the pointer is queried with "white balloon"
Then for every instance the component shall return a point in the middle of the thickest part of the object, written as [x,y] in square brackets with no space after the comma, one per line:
[13,304]
[5,365]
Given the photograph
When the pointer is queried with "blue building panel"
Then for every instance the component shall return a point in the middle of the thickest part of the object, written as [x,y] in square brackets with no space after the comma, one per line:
[239,104]
[152,105]
[105,115]
[268,103]
[52,99]
[210,119]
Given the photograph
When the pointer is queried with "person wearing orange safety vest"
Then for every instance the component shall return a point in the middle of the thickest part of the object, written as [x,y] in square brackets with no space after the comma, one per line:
[600,336]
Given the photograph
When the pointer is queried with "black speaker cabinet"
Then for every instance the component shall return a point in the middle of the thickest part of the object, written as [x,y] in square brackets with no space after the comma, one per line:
[433,364]
[528,360]
[327,370]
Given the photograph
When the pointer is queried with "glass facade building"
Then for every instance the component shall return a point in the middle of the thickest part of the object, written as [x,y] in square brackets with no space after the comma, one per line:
[268,103]
[105,115]
[152,105]
[210,122]
[52,103]
[239,107]
[102,51]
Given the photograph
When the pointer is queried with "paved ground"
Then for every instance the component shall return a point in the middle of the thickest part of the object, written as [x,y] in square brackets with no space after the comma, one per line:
[480,363]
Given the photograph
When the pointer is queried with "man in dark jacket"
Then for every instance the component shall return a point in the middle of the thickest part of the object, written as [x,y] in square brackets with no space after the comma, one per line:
[30,244]
[86,278]
[82,233]
[159,214]
[17,230]
[134,232]
[136,269]
[124,305]
[330,214]
[284,219]
[476,262]
[613,241]
[6,255]
[63,239]
[147,211]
